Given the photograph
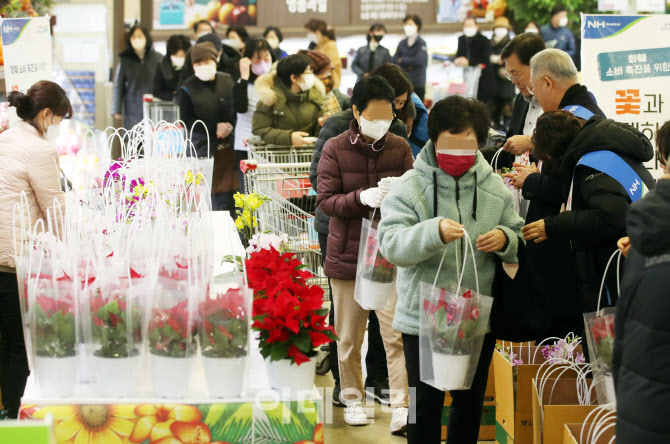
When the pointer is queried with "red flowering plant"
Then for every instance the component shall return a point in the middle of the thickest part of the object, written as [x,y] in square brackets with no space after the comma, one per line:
[453,321]
[171,331]
[287,311]
[55,331]
[377,268]
[600,337]
[116,324]
[224,325]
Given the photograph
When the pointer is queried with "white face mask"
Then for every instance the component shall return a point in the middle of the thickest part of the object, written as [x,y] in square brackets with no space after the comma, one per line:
[469,31]
[205,72]
[308,82]
[138,43]
[563,22]
[375,129]
[312,37]
[500,32]
[177,62]
[410,30]
[273,42]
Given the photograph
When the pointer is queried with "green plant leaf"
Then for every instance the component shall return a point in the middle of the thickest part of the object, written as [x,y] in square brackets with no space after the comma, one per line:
[303,342]
[280,350]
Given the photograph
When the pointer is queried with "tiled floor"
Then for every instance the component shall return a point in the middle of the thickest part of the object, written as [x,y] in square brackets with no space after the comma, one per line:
[338,432]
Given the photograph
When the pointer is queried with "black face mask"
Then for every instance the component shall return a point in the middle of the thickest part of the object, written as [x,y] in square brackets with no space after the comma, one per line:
[377,38]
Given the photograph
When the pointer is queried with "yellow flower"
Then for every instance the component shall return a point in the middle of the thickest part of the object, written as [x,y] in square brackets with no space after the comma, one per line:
[254,201]
[188,179]
[239,224]
[155,420]
[79,424]
[246,217]
[198,178]
[255,221]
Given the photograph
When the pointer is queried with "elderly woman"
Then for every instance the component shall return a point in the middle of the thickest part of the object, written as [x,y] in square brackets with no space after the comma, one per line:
[355,173]
[585,152]
[450,188]
[28,164]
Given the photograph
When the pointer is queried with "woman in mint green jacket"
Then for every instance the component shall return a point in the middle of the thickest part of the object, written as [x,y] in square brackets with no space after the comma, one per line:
[451,187]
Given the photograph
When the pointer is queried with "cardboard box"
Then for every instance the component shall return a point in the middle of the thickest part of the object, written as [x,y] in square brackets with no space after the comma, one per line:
[556,407]
[487,428]
[573,432]
[514,415]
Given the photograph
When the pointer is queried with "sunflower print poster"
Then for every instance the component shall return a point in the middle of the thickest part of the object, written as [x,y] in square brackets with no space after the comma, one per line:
[286,422]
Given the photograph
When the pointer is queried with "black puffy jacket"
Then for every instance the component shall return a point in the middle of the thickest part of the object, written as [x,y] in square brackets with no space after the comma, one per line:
[642,344]
[599,203]
[333,127]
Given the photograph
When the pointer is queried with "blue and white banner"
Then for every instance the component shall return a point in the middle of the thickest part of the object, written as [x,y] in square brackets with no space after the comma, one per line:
[26,45]
[626,65]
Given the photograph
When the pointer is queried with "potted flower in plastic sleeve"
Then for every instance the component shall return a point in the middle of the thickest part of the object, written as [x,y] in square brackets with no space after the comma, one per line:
[116,326]
[54,333]
[224,326]
[376,275]
[288,318]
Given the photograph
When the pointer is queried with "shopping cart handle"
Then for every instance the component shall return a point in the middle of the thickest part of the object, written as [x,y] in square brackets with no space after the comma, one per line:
[248,165]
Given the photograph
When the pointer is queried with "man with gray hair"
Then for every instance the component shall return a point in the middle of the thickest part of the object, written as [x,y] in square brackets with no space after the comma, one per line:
[555,83]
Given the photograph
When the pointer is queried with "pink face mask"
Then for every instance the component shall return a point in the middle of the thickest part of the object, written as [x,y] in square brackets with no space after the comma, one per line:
[261,68]
[456,162]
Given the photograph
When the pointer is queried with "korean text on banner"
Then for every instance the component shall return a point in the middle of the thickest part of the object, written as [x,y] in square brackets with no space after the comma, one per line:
[26,44]
[626,64]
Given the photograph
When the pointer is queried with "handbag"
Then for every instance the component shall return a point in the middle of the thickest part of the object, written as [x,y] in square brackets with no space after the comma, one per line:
[520,310]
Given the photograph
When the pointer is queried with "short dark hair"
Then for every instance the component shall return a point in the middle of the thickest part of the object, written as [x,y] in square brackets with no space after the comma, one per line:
[371,88]
[177,42]
[376,27]
[408,111]
[554,132]
[557,9]
[457,114]
[399,81]
[295,64]
[257,44]
[415,18]
[241,31]
[525,46]
[663,143]
[212,38]
[145,31]
[200,22]
[470,18]
[43,94]
[274,29]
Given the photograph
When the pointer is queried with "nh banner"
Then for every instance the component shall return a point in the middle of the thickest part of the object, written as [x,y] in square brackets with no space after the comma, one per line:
[26,45]
[626,64]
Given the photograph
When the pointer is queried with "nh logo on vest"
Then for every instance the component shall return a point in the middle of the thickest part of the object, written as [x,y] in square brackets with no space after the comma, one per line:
[633,187]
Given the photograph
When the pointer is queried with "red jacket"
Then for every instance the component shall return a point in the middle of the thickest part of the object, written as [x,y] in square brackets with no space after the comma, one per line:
[348,166]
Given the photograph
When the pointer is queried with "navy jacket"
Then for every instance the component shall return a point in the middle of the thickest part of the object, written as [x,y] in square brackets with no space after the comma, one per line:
[361,62]
[413,60]
[561,38]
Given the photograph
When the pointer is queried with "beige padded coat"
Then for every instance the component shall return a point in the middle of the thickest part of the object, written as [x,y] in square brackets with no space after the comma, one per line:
[28,164]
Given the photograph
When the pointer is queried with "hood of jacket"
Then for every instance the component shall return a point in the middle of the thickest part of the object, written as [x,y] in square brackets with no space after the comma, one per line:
[600,134]
[648,222]
[272,91]
[476,177]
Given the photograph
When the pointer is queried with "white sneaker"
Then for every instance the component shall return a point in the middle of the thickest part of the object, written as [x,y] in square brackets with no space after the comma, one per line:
[354,415]
[399,421]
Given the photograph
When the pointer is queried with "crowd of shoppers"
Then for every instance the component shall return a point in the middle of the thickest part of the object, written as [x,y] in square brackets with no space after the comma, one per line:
[422,173]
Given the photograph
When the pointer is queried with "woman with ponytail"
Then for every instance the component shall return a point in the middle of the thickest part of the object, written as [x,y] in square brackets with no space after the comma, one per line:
[28,164]
[323,36]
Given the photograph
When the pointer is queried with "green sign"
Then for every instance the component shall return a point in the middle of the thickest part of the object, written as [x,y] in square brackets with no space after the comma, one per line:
[22,432]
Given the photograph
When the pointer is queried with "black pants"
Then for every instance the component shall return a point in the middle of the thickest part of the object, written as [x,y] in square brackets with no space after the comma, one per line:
[426,402]
[420,91]
[13,360]
[224,202]
[375,359]
[240,156]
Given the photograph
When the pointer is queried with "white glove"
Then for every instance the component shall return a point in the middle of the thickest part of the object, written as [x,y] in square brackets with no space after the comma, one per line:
[372,197]
[385,184]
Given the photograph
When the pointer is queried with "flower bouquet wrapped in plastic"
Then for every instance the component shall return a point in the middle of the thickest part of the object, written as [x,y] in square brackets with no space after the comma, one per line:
[600,340]
[453,323]
[375,276]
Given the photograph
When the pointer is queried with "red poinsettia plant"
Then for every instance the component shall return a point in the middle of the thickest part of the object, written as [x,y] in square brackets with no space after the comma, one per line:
[602,329]
[287,311]
[453,321]
[55,331]
[224,325]
[171,332]
[377,268]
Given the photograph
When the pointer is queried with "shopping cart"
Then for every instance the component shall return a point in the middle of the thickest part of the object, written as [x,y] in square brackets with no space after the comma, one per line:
[290,210]
[158,110]
[267,154]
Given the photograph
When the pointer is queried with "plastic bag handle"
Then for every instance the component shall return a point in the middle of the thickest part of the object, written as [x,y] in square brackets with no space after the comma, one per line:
[465,258]
[618,278]
[494,159]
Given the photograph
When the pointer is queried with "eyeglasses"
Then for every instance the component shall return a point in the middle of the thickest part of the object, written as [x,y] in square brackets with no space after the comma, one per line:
[512,77]
[530,87]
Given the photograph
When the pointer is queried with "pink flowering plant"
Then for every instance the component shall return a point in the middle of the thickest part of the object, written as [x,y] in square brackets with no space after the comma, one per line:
[564,350]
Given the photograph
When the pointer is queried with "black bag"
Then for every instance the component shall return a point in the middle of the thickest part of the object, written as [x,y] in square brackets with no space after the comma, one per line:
[520,309]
